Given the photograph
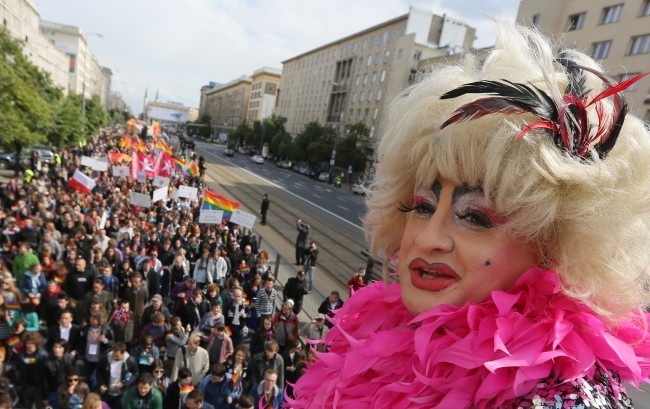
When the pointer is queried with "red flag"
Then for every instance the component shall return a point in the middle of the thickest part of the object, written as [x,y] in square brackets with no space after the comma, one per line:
[120,315]
[140,162]
[164,165]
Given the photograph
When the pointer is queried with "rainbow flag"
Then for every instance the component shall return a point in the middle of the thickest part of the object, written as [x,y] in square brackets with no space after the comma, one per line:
[228,331]
[213,201]
[179,164]
[246,303]
[162,146]
[12,305]
[58,279]
[35,301]
[185,390]
[192,169]
[13,341]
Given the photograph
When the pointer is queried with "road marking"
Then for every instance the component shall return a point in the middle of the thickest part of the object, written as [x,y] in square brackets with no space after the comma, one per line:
[315,195]
[289,192]
[341,199]
[344,208]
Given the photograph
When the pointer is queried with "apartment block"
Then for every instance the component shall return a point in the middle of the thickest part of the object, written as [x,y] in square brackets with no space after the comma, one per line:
[351,79]
[85,75]
[615,32]
[21,19]
[227,104]
[264,90]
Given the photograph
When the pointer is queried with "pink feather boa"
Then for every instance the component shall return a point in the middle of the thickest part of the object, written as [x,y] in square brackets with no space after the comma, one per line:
[478,355]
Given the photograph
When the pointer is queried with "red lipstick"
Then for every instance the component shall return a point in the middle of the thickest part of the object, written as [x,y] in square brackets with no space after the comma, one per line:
[431,276]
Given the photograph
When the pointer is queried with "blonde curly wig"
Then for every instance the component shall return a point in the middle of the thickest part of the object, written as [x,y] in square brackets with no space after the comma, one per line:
[590,219]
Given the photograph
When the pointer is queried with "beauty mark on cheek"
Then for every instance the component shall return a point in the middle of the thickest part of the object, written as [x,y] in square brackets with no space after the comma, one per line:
[487,263]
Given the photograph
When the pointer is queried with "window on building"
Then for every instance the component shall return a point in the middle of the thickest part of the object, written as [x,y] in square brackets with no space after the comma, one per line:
[402,31]
[362,96]
[386,55]
[378,95]
[381,38]
[391,36]
[358,81]
[534,20]
[611,14]
[365,44]
[600,50]
[576,21]
[645,9]
[365,79]
[382,77]
[369,61]
[366,112]
[399,53]
[354,97]
[640,45]
[374,77]
[377,58]
[417,55]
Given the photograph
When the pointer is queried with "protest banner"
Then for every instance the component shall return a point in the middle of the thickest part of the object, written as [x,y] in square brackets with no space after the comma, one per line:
[242,218]
[160,194]
[188,192]
[121,171]
[210,216]
[140,199]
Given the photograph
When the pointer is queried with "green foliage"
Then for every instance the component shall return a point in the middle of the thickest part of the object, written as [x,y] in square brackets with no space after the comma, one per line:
[355,148]
[26,96]
[95,115]
[240,135]
[314,144]
[203,132]
[69,125]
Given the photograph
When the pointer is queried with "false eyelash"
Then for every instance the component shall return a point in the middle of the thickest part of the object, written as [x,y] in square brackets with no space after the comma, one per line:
[404,208]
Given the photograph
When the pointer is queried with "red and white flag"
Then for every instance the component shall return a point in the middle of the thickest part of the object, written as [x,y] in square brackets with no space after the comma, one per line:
[120,315]
[164,165]
[140,162]
[81,183]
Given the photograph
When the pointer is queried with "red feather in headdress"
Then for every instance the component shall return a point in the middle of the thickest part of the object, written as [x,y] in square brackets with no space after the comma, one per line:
[565,120]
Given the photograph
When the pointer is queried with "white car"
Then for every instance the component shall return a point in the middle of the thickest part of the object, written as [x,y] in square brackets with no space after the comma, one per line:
[257,159]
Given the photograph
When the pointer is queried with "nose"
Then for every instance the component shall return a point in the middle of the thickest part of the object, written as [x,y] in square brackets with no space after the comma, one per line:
[435,235]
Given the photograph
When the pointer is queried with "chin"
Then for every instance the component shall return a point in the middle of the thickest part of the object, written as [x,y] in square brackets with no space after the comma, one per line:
[418,301]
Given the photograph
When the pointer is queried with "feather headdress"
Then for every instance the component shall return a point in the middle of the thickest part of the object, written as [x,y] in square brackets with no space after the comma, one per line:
[565,120]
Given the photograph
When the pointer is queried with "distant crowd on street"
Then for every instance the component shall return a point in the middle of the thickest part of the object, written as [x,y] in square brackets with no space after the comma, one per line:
[109,304]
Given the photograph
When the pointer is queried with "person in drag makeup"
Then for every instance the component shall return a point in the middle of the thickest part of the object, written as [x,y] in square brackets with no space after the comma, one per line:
[511,201]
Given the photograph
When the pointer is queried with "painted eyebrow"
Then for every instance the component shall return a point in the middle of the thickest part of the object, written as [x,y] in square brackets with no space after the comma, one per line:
[464,189]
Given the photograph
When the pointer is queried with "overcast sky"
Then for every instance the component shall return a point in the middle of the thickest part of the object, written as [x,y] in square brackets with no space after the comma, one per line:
[174,47]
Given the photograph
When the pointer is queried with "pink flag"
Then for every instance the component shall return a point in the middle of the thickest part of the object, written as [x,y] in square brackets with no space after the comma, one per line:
[164,165]
[142,162]
[81,183]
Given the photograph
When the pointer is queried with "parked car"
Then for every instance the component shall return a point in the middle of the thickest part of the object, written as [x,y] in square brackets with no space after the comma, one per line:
[360,187]
[257,159]
[6,160]
[284,164]
[323,176]
[229,153]
[47,156]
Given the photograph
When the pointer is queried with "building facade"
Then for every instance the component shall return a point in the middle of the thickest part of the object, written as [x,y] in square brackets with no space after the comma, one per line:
[85,75]
[227,104]
[351,79]
[616,33]
[264,90]
[21,19]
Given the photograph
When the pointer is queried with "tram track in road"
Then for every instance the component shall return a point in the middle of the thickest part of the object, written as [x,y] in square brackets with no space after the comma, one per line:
[340,250]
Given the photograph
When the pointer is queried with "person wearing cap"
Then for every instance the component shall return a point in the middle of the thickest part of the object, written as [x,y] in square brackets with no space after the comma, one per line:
[295,289]
[316,331]
[156,305]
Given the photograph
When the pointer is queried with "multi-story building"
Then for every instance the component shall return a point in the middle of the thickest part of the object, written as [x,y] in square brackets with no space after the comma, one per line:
[85,74]
[615,32]
[21,19]
[351,79]
[227,104]
[264,89]
[204,90]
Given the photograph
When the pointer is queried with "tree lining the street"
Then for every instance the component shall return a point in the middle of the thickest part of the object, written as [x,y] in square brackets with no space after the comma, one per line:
[33,110]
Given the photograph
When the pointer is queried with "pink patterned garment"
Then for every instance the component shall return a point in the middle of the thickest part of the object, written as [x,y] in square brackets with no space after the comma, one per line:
[512,350]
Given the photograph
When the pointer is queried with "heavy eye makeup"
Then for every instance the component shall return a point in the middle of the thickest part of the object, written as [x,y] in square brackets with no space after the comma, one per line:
[472,210]
[422,204]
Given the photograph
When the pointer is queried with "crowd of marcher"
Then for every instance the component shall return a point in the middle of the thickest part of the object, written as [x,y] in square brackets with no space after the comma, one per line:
[107,304]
